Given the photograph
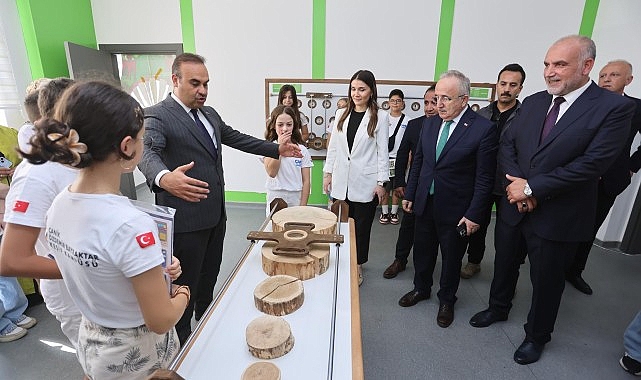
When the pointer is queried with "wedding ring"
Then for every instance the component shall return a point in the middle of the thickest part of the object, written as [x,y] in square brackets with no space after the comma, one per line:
[523,205]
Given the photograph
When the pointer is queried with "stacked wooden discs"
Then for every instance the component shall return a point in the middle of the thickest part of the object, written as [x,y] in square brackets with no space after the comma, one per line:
[269,337]
[261,371]
[279,295]
[305,267]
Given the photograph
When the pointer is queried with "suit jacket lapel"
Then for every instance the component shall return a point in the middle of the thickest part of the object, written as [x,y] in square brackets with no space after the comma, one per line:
[584,102]
[432,130]
[461,129]
[361,133]
[188,123]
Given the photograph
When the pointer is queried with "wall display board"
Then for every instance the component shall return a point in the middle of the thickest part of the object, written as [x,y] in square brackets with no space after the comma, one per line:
[317,99]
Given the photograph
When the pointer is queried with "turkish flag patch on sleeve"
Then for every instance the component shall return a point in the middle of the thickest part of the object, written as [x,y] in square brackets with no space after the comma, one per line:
[146,239]
[20,206]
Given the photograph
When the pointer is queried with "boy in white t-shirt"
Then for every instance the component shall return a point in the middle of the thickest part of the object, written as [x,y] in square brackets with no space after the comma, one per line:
[398,123]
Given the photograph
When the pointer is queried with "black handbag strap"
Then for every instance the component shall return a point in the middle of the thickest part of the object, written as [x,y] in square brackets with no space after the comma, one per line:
[392,139]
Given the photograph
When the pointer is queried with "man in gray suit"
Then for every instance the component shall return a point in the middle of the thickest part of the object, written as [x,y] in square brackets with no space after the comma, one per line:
[182,162]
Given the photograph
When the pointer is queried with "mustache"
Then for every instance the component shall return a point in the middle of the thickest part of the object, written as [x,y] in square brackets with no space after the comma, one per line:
[506,94]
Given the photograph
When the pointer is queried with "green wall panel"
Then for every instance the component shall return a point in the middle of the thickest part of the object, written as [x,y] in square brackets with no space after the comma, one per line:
[46,25]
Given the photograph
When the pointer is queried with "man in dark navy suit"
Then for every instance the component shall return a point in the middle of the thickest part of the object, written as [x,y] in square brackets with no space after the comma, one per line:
[560,143]
[449,187]
[404,157]
[614,76]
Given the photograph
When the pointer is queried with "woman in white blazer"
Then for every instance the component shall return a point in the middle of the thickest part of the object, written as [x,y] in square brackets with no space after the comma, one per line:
[356,167]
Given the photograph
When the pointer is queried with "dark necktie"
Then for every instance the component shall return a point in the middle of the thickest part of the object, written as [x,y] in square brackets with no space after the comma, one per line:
[550,119]
[203,130]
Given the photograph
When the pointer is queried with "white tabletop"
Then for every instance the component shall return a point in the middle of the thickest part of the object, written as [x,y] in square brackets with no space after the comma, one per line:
[220,350]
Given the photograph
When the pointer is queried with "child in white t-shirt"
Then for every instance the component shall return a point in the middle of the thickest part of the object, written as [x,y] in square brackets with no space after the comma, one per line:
[289,177]
[107,250]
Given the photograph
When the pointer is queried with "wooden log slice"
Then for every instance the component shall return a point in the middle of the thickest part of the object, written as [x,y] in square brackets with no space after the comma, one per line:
[279,295]
[269,337]
[323,219]
[261,371]
[303,268]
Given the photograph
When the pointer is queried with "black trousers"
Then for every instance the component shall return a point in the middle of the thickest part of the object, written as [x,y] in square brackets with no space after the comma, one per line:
[548,263]
[476,242]
[200,254]
[429,235]
[603,205]
[363,215]
[405,239]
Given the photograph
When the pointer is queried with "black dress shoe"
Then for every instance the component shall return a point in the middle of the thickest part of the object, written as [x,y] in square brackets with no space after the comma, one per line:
[579,283]
[412,298]
[394,269]
[445,315]
[528,352]
[487,317]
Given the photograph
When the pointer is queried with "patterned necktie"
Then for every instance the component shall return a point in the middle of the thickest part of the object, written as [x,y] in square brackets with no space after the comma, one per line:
[442,140]
[203,130]
[550,119]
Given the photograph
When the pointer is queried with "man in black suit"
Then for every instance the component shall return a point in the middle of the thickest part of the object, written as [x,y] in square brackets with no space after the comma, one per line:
[560,143]
[449,187]
[404,157]
[184,136]
[614,76]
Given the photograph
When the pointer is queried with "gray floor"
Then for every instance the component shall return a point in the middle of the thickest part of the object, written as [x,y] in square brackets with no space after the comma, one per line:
[406,343]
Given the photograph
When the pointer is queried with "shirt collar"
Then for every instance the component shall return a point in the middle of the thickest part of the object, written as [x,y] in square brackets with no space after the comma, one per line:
[187,109]
[574,95]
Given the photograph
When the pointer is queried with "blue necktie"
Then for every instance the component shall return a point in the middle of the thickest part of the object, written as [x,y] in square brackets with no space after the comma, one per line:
[203,130]
[550,119]
[442,140]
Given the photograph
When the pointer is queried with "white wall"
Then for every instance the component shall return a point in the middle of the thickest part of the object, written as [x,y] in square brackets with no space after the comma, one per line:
[137,22]
[18,55]
[244,43]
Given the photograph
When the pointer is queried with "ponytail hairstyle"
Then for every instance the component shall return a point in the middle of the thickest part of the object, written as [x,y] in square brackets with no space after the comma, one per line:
[368,78]
[90,121]
[270,132]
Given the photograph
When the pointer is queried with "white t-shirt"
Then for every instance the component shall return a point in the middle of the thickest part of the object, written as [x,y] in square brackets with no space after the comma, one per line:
[399,135]
[289,175]
[32,191]
[100,241]
[24,136]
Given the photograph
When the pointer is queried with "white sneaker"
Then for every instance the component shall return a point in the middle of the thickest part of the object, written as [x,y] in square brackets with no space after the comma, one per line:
[25,322]
[11,333]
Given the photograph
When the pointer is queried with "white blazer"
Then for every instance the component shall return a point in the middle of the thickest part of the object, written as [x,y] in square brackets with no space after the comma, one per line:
[355,174]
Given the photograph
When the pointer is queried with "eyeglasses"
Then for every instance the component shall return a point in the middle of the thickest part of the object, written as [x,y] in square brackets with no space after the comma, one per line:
[397,101]
[446,99]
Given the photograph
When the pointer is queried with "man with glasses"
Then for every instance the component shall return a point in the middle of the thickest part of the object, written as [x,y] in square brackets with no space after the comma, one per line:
[449,187]
[501,111]
[398,123]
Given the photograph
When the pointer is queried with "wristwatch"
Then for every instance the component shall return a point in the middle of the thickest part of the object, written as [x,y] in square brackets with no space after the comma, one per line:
[527,191]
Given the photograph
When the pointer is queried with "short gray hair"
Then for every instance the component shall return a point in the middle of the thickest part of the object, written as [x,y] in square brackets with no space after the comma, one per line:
[588,47]
[463,81]
[623,62]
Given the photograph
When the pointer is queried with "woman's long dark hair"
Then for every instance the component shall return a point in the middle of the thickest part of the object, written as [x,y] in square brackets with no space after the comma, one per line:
[368,78]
